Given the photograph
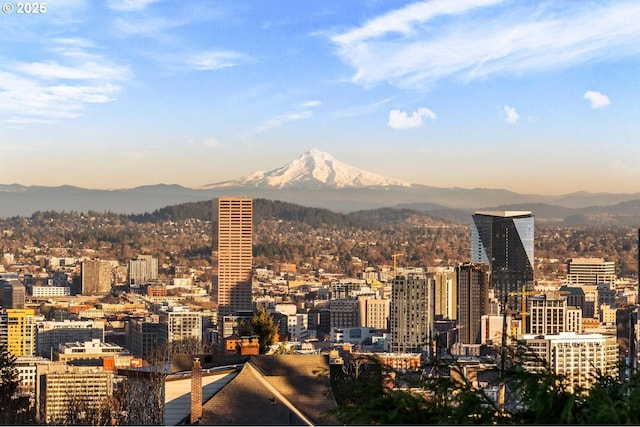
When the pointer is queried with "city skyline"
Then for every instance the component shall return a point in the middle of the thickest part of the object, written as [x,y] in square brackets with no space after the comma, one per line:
[532,97]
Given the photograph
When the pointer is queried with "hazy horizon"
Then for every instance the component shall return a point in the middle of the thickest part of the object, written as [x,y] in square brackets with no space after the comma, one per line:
[531,97]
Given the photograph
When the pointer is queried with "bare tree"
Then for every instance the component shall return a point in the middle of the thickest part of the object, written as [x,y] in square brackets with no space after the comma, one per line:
[143,390]
[84,409]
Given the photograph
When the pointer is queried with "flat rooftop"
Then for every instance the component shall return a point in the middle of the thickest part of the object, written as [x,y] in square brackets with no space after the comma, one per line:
[503,213]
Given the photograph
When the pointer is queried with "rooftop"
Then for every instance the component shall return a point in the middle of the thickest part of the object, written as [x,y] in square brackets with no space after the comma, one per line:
[504,214]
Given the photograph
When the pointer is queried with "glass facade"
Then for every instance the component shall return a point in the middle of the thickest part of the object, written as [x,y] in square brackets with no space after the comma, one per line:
[504,241]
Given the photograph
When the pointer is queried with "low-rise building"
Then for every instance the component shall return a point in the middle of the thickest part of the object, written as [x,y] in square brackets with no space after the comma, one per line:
[87,353]
[50,334]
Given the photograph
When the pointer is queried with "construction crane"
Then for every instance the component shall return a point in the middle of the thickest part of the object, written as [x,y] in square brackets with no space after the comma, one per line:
[395,256]
[523,311]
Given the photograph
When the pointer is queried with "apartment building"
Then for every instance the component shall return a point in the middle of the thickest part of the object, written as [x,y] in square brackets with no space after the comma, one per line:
[578,357]
[17,331]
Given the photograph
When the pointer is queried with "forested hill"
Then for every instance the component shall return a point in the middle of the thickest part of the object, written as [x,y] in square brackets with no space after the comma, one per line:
[270,209]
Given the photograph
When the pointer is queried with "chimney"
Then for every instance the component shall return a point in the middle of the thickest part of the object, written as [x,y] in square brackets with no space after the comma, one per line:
[196,392]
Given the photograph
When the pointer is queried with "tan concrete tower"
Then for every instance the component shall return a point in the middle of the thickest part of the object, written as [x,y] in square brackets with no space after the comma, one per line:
[235,254]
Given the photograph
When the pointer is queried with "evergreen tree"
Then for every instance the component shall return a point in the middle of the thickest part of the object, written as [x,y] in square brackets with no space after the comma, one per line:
[14,409]
[263,326]
[533,397]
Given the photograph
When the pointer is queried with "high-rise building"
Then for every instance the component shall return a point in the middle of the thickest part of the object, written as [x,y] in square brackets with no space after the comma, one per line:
[411,312]
[590,271]
[12,293]
[235,255]
[581,358]
[473,300]
[504,241]
[179,325]
[344,313]
[96,277]
[548,313]
[445,293]
[17,331]
[142,336]
[142,269]
[373,311]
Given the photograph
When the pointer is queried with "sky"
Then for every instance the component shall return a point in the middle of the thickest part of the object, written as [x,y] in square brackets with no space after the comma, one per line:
[536,97]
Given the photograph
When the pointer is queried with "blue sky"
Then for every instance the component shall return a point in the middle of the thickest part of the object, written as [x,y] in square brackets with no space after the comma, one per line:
[531,96]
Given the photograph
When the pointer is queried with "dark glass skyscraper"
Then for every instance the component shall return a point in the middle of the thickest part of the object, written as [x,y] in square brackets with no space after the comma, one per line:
[473,300]
[504,241]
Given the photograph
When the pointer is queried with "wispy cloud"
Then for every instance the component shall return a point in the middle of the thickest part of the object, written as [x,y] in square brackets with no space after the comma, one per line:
[161,27]
[301,111]
[55,89]
[360,110]
[597,99]
[282,119]
[215,60]
[401,120]
[417,45]
[511,115]
[153,27]
[310,104]
[129,5]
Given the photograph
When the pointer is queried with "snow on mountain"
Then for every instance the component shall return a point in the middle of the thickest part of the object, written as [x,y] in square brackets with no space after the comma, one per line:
[313,169]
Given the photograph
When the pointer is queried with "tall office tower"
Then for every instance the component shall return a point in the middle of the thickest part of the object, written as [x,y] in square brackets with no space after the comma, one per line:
[142,269]
[235,257]
[504,241]
[590,271]
[548,313]
[17,331]
[96,277]
[445,293]
[12,293]
[410,313]
[473,300]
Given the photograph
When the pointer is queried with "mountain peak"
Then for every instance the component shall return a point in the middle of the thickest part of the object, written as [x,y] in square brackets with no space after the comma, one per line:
[313,169]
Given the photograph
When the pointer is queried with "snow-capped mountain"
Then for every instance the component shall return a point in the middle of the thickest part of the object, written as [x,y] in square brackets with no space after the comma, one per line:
[313,169]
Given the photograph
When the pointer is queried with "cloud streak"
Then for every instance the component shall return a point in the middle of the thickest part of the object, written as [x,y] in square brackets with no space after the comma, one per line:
[52,90]
[302,111]
[129,5]
[415,46]
[361,110]
[216,60]
[282,119]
